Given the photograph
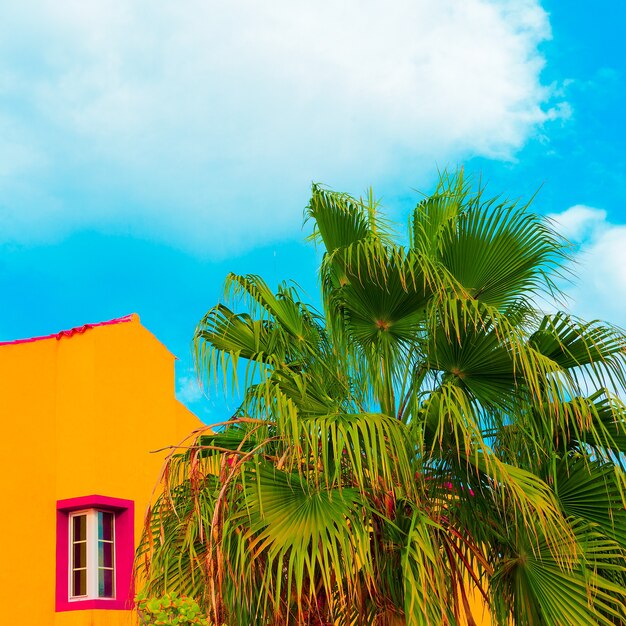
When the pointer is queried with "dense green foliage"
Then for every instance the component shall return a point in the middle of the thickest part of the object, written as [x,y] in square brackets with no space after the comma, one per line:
[169,610]
[429,441]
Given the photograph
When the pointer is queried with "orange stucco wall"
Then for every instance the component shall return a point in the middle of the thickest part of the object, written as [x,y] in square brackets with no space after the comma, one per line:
[79,416]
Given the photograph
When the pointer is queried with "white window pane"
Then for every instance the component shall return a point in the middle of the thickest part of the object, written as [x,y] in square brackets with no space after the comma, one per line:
[79,582]
[105,525]
[105,554]
[105,583]
[92,554]
[79,553]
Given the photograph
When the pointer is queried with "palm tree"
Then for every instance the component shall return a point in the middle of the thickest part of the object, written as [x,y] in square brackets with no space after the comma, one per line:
[429,445]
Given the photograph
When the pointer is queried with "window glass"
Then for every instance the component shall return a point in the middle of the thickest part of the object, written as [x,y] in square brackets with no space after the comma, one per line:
[105,525]
[79,553]
[105,583]
[105,554]
[78,547]
[80,527]
[92,554]
[79,582]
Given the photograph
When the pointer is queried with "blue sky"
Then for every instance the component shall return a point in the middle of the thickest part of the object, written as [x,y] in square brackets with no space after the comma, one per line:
[148,148]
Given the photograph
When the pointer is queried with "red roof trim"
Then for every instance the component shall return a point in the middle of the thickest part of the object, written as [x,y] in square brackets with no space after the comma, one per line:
[79,330]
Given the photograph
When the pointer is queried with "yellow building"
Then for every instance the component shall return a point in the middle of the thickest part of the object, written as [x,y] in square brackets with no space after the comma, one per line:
[81,412]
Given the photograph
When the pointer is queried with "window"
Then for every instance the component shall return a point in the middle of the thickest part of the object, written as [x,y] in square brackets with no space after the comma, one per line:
[92,554]
[95,550]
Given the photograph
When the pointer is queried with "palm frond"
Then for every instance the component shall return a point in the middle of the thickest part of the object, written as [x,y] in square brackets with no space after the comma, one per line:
[428,449]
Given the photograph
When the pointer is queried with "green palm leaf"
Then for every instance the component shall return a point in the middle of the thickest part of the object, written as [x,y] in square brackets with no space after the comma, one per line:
[313,535]
[428,449]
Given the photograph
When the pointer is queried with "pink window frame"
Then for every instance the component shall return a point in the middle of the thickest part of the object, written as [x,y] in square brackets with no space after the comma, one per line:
[124,553]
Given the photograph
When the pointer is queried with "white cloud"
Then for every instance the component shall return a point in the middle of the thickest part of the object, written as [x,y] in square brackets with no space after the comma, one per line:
[599,274]
[188,389]
[203,123]
[579,223]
